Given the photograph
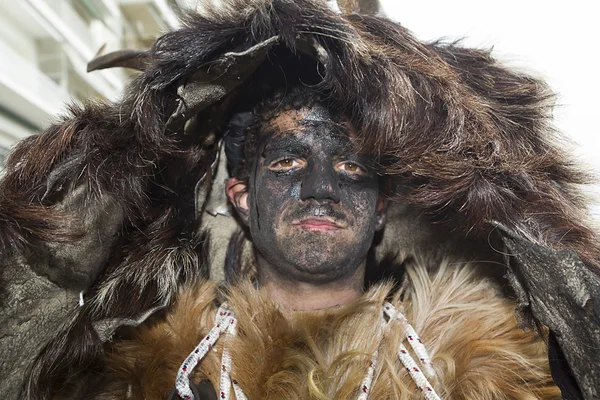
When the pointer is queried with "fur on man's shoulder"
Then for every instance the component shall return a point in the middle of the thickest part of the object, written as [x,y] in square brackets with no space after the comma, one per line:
[144,360]
[470,329]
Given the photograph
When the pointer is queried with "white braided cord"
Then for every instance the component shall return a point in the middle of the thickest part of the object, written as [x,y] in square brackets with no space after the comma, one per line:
[226,379]
[182,382]
[367,383]
[225,321]
[416,372]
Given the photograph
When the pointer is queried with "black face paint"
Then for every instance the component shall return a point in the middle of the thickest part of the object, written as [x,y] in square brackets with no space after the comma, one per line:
[313,207]
[254,193]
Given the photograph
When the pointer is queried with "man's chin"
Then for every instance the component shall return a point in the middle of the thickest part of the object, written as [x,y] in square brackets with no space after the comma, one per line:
[324,263]
[324,272]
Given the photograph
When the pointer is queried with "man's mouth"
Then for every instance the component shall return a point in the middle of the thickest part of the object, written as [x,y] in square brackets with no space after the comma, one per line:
[318,224]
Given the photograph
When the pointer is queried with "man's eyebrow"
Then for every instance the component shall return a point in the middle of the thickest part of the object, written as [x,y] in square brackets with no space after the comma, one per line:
[276,143]
[286,145]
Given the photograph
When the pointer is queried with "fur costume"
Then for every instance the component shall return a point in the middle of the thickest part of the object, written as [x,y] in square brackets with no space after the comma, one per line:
[103,214]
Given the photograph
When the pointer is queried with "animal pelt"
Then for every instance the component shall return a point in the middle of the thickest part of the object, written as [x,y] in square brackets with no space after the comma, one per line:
[467,141]
[468,327]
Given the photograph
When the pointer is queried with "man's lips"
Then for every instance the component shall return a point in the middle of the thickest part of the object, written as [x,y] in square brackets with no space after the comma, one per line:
[318,224]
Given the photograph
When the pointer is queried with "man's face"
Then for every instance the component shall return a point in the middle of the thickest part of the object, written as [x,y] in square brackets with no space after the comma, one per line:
[312,201]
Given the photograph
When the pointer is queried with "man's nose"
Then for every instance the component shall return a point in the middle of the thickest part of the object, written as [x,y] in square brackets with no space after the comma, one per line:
[321,184]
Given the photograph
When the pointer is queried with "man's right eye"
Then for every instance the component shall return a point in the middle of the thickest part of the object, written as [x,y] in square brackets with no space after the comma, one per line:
[286,164]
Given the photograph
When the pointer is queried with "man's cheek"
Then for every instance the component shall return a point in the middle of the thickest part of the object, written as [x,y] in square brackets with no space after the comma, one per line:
[360,202]
[279,189]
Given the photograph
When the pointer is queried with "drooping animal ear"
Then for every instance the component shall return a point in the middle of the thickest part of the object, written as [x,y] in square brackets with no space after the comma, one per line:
[369,7]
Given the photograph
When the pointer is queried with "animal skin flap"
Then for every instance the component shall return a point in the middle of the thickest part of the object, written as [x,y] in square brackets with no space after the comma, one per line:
[218,79]
[563,294]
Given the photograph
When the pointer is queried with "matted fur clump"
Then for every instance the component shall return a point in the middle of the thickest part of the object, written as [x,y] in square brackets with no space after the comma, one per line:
[466,140]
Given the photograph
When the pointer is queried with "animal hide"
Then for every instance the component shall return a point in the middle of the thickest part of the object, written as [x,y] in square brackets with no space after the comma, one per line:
[106,207]
[468,326]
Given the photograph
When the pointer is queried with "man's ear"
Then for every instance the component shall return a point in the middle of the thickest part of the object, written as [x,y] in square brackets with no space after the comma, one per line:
[382,206]
[237,193]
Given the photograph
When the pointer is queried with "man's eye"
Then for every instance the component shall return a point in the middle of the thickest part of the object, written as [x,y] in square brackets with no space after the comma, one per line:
[350,168]
[286,164]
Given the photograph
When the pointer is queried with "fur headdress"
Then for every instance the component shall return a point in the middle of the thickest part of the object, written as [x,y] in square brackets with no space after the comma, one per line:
[109,202]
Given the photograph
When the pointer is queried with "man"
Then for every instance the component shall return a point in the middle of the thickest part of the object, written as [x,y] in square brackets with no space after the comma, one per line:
[308,329]
[311,203]
[102,219]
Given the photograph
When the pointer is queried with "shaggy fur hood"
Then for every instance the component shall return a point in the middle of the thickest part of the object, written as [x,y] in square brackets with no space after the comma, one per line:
[106,207]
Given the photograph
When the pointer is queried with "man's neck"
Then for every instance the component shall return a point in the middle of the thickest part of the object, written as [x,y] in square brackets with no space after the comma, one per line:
[303,296]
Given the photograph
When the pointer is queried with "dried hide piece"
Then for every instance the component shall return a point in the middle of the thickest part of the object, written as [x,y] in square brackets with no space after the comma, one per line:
[102,215]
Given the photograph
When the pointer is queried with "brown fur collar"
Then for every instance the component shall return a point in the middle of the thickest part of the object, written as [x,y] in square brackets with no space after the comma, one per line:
[470,330]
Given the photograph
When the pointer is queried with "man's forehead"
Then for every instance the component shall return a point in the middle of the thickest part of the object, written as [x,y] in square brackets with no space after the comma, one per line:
[296,120]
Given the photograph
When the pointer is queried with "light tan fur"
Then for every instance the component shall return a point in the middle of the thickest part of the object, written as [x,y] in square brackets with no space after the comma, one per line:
[468,326]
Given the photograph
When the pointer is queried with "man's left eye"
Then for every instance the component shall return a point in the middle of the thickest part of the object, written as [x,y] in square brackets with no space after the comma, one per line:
[350,167]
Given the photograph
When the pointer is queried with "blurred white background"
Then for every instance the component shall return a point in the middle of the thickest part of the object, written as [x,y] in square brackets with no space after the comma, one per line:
[45,46]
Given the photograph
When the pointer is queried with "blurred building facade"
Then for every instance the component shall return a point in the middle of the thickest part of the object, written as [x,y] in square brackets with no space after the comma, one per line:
[45,46]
